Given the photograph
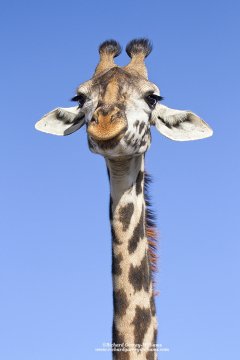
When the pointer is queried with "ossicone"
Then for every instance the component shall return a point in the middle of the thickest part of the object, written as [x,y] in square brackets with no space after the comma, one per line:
[110,47]
[139,46]
[138,50]
[108,50]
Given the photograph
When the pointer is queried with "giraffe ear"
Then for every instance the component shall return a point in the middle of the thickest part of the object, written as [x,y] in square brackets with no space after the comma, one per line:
[179,125]
[61,121]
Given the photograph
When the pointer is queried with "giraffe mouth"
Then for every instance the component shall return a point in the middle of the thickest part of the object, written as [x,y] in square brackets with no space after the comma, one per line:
[106,130]
[109,143]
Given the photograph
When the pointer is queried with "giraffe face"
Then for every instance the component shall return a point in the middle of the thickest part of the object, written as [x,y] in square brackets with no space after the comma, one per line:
[117,106]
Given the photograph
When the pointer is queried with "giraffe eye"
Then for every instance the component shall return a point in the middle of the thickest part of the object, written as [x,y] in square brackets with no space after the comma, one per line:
[80,98]
[152,100]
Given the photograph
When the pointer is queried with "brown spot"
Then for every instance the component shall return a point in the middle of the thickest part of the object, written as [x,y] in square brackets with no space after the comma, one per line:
[116,268]
[120,302]
[139,276]
[114,237]
[143,143]
[136,123]
[150,355]
[141,322]
[117,337]
[128,140]
[138,233]
[125,215]
[139,180]
[141,127]
[118,343]
[152,306]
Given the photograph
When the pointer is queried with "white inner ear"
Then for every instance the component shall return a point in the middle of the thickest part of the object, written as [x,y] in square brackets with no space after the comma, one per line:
[180,125]
[61,121]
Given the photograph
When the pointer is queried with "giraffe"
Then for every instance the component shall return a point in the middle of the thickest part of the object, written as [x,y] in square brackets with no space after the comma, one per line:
[118,106]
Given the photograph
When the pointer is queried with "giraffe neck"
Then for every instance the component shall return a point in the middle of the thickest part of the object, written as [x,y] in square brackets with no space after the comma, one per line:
[134,321]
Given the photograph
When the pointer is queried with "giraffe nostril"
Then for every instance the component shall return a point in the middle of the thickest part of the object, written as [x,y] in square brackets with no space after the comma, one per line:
[94,120]
[116,116]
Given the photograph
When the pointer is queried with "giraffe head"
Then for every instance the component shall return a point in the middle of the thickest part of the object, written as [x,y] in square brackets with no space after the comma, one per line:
[118,105]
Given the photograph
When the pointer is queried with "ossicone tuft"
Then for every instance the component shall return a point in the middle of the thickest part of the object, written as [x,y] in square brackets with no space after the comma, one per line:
[138,46]
[110,47]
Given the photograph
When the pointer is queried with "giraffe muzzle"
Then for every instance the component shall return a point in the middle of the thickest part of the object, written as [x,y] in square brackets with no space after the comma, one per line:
[106,127]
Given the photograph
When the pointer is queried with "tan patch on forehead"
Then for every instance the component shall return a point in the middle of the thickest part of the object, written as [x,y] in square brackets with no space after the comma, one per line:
[117,85]
[114,85]
[112,92]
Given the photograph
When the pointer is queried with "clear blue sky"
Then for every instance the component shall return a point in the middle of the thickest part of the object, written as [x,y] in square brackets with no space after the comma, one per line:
[55,249]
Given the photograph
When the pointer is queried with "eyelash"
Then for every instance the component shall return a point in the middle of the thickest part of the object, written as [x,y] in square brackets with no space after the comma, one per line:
[80,98]
[152,100]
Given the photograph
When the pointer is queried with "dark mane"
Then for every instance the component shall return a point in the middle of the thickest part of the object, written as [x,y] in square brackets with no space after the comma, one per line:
[151,229]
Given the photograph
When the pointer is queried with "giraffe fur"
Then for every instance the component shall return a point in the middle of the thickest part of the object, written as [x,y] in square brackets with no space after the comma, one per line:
[118,106]
[134,318]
